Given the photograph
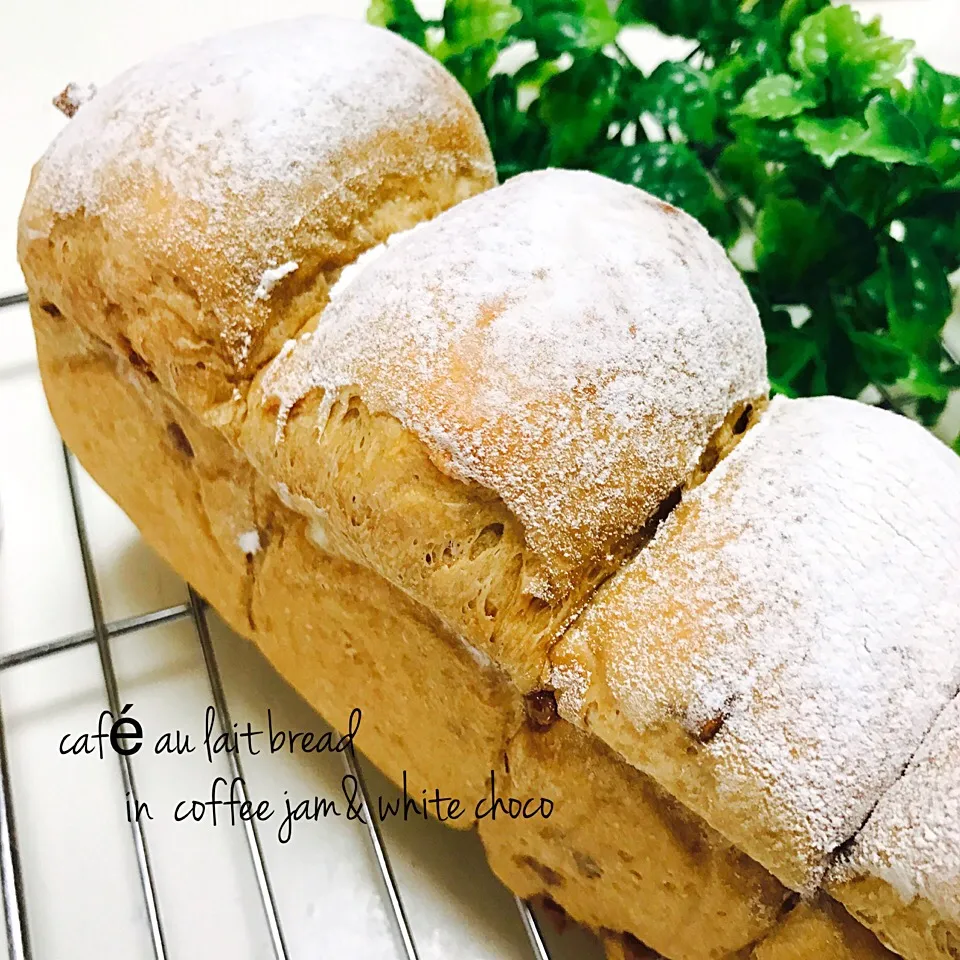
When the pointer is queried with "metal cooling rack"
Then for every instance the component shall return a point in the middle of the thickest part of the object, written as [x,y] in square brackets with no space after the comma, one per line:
[11,874]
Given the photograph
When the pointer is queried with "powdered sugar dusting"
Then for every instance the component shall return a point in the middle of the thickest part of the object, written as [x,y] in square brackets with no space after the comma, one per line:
[235,139]
[912,840]
[271,277]
[571,681]
[803,603]
[353,270]
[565,340]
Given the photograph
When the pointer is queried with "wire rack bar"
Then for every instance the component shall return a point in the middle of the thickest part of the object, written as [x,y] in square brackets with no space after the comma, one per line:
[147,883]
[267,899]
[118,628]
[11,874]
[383,861]
[13,299]
[534,934]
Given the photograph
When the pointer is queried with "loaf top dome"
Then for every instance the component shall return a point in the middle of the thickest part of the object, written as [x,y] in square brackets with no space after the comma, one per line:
[567,341]
[780,649]
[235,161]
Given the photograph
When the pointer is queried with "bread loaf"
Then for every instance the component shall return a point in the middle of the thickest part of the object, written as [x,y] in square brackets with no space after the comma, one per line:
[403,469]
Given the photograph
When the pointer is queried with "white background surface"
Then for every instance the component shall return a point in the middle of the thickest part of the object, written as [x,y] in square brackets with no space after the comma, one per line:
[80,875]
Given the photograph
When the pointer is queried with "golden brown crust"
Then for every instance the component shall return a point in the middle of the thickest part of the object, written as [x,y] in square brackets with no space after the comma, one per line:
[126,431]
[917,929]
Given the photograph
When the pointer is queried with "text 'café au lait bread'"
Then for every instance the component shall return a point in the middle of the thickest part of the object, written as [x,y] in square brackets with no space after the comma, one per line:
[406,495]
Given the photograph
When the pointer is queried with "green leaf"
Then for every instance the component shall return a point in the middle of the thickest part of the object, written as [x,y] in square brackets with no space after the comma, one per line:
[472,67]
[400,16]
[795,363]
[935,98]
[789,239]
[470,23]
[674,173]
[929,381]
[835,44]
[535,73]
[576,105]
[938,230]
[830,139]
[927,95]
[891,137]
[679,18]
[950,114]
[773,140]
[792,12]
[917,293]
[883,358]
[775,97]
[678,94]
[519,138]
[739,166]
[566,26]
[944,155]
[733,76]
